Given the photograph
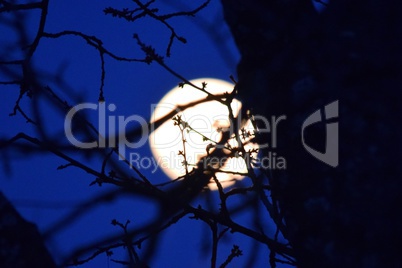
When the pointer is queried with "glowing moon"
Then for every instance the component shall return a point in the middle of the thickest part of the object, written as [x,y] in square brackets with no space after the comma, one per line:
[205,118]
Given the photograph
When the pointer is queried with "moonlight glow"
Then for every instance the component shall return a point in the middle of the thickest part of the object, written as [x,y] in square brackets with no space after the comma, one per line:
[205,118]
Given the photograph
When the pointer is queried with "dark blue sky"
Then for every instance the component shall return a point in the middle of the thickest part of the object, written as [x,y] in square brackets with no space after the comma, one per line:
[45,195]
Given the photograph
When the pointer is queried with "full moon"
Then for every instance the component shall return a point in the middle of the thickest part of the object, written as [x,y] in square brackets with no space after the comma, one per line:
[205,120]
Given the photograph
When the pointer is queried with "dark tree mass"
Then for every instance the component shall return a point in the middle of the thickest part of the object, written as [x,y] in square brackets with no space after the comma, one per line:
[21,243]
[295,61]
